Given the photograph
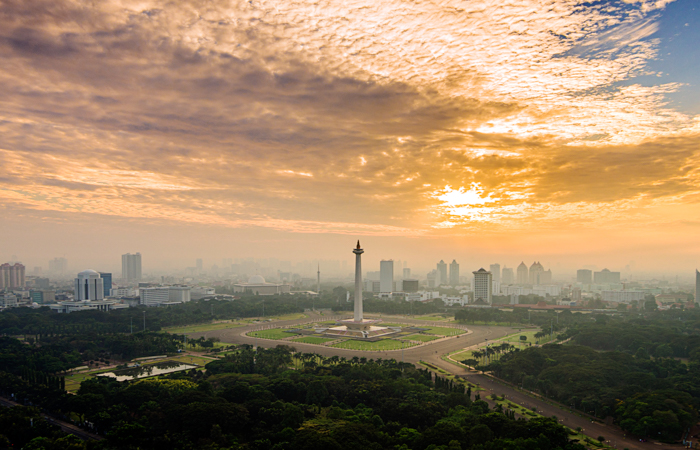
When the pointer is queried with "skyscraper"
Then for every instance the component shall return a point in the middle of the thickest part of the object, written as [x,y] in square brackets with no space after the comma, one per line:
[107,281]
[454,273]
[482,286]
[386,276]
[441,273]
[522,273]
[12,276]
[89,286]
[406,273]
[536,271]
[496,272]
[507,276]
[200,265]
[131,267]
[584,276]
[58,266]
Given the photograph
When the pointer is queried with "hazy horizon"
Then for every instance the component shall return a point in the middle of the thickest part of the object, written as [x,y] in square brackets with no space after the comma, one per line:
[549,131]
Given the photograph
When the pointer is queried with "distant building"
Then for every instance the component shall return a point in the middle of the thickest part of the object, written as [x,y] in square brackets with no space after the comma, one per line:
[199,292]
[8,300]
[199,264]
[507,276]
[89,286]
[107,277]
[697,286]
[536,271]
[495,270]
[406,273]
[670,299]
[622,296]
[482,286]
[606,277]
[12,276]
[576,294]
[131,267]
[58,266]
[42,297]
[386,276]
[410,285]
[257,285]
[156,296]
[42,283]
[454,273]
[523,276]
[372,286]
[441,273]
[584,276]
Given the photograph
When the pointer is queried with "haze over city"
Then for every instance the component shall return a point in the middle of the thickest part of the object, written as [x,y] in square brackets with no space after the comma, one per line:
[533,131]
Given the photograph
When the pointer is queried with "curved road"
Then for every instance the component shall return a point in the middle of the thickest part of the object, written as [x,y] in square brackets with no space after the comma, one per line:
[431,352]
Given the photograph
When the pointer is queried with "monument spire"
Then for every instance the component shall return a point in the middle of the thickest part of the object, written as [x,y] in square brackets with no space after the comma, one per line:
[357,317]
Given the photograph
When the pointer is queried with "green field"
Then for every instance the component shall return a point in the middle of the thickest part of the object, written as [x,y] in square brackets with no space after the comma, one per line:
[385,344]
[275,333]
[435,318]
[312,340]
[421,337]
[444,331]
[201,327]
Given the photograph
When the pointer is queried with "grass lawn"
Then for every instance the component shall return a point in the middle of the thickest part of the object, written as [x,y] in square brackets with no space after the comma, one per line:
[199,328]
[421,337]
[435,318]
[444,331]
[312,340]
[386,344]
[275,333]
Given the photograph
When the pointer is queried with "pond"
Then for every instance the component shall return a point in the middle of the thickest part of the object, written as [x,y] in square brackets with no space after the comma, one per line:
[151,370]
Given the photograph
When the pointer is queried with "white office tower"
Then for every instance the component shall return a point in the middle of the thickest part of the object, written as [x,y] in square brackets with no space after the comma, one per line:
[496,272]
[89,286]
[386,276]
[131,267]
[507,276]
[482,286]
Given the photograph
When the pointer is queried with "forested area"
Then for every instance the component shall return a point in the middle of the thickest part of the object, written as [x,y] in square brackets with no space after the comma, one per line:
[253,401]
[644,371]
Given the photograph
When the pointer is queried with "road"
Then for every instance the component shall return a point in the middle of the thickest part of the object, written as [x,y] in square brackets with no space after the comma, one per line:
[65,426]
[432,352]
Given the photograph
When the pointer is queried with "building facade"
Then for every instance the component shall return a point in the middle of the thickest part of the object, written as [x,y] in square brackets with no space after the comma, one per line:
[441,273]
[12,276]
[454,273]
[606,277]
[584,276]
[523,276]
[131,267]
[495,270]
[507,276]
[107,277]
[386,275]
[482,286]
[89,286]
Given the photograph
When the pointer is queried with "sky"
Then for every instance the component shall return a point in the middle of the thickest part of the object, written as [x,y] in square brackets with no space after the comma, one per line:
[487,131]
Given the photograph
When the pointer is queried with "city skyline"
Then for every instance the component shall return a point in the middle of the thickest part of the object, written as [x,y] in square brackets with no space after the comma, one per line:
[565,134]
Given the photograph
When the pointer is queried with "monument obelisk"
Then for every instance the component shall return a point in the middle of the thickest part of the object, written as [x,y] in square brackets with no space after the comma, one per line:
[358,283]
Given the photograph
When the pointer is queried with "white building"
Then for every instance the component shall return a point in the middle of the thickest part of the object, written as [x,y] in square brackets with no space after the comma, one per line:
[257,285]
[198,292]
[131,267]
[89,286]
[482,285]
[622,296]
[452,301]
[8,300]
[123,292]
[155,296]
[386,276]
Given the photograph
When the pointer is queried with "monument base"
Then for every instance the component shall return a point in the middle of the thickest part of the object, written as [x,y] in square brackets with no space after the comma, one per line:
[359,329]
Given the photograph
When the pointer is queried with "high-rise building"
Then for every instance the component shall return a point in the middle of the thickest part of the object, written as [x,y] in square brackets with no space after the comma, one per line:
[697,285]
[410,285]
[482,286]
[454,273]
[606,277]
[386,276]
[131,267]
[107,277]
[200,265]
[406,273]
[496,272]
[89,286]
[523,276]
[507,276]
[584,276]
[536,271]
[58,266]
[441,273]
[12,276]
